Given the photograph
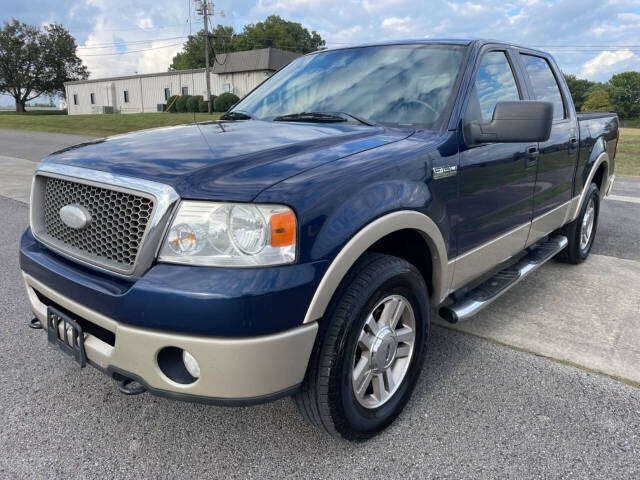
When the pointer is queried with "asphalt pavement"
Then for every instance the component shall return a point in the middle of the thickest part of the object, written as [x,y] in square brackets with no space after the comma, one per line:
[34,146]
[481,409]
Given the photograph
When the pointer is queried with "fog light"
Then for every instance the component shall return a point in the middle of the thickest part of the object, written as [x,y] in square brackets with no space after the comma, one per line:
[191,364]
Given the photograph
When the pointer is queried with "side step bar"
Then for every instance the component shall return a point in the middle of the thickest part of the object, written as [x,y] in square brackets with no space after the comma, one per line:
[487,292]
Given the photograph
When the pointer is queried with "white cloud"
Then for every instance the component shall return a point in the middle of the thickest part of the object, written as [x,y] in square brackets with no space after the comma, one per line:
[145,22]
[402,25]
[603,65]
[467,8]
[157,58]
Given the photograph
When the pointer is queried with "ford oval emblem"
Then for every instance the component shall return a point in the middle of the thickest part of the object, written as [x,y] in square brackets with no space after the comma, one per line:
[75,216]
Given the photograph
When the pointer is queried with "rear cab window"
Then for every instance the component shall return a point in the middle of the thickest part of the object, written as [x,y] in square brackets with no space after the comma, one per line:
[544,83]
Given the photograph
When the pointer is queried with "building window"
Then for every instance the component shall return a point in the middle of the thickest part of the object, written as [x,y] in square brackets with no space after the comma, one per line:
[75,99]
[167,93]
[126,96]
[92,96]
[185,90]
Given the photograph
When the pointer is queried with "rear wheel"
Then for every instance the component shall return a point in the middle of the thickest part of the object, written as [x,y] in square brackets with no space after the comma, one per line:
[369,351]
[581,232]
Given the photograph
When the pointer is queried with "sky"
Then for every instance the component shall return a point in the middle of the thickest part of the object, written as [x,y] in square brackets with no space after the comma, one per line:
[593,39]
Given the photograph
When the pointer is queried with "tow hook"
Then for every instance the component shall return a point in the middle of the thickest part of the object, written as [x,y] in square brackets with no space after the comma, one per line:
[35,324]
[126,388]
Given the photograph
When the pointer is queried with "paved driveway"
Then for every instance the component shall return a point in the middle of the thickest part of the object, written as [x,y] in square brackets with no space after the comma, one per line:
[35,146]
[481,409]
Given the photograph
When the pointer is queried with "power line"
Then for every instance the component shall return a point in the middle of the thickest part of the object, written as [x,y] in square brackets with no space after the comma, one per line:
[125,43]
[130,51]
[128,29]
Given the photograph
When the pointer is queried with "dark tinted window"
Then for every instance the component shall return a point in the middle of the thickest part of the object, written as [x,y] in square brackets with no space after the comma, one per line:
[545,87]
[75,99]
[167,93]
[126,96]
[396,84]
[494,83]
[185,90]
[93,98]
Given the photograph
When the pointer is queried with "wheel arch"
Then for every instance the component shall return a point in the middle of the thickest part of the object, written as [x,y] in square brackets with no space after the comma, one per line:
[599,170]
[366,238]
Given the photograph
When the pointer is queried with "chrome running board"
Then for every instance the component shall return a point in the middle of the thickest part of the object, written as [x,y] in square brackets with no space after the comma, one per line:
[501,282]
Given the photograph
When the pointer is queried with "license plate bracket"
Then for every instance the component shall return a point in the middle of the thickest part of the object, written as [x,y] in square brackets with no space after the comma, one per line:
[72,340]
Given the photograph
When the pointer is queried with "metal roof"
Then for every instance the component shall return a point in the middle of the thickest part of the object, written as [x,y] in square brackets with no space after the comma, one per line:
[250,60]
[247,61]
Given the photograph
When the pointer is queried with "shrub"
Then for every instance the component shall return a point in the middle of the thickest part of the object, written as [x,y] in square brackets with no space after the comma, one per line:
[171,104]
[192,103]
[181,103]
[202,105]
[224,101]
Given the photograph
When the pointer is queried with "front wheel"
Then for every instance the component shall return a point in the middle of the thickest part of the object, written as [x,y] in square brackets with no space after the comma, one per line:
[581,232]
[369,351]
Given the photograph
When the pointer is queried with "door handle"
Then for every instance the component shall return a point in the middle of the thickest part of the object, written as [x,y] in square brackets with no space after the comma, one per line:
[531,158]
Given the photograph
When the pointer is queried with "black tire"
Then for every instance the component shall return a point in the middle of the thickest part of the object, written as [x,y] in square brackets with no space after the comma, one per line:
[574,253]
[326,398]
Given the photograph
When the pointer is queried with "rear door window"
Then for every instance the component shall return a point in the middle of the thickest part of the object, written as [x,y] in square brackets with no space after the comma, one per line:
[545,86]
[495,83]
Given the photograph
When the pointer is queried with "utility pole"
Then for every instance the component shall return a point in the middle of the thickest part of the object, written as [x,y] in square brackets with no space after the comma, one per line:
[205,8]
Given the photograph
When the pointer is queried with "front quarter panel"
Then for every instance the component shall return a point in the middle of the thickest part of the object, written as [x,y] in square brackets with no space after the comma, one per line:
[336,201]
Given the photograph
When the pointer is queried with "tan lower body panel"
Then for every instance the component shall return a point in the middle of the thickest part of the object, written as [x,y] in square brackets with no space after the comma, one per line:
[481,259]
[550,221]
[231,368]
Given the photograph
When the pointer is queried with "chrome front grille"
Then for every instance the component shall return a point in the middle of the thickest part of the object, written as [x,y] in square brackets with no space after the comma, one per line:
[128,217]
[118,220]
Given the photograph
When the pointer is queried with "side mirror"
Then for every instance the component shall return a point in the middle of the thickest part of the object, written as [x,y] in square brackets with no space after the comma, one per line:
[524,121]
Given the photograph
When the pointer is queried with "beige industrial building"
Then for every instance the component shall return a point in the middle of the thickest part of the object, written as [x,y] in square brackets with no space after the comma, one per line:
[238,72]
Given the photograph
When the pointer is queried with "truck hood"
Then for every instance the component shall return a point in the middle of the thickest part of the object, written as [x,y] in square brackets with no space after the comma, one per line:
[232,161]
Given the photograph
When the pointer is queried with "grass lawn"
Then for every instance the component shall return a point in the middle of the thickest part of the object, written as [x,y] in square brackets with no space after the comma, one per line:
[98,125]
[628,157]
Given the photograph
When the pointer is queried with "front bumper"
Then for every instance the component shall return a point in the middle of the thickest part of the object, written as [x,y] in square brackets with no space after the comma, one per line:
[233,370]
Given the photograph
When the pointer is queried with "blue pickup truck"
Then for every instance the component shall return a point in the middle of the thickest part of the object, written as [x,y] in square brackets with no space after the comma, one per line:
[298,246]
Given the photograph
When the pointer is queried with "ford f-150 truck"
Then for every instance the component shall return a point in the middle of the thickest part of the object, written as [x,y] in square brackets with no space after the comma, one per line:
[298,245]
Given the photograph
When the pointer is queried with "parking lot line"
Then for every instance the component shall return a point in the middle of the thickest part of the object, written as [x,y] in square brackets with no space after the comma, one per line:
[623,198]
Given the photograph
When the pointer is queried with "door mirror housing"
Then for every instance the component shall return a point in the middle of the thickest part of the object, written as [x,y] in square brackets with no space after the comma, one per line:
[513,122]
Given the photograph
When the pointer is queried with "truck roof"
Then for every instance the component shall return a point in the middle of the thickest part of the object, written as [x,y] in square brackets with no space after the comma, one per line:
[426,41]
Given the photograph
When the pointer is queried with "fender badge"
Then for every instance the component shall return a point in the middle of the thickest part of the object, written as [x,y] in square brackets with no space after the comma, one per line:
[443,172]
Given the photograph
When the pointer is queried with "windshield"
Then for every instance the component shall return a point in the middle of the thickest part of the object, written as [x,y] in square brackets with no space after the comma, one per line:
[398,85]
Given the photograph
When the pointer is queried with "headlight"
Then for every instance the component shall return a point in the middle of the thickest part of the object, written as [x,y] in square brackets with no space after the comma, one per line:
[230,235]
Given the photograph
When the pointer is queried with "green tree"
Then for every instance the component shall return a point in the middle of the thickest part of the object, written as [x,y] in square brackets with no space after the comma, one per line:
[192,55]
[273,32]
[279,33]
[598,101]
[625,94]
[580,89]
[37,62]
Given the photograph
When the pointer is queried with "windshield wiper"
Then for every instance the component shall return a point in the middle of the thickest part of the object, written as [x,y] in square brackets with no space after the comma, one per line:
[321,117]
[236,115]
[318,117]
[356,117]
